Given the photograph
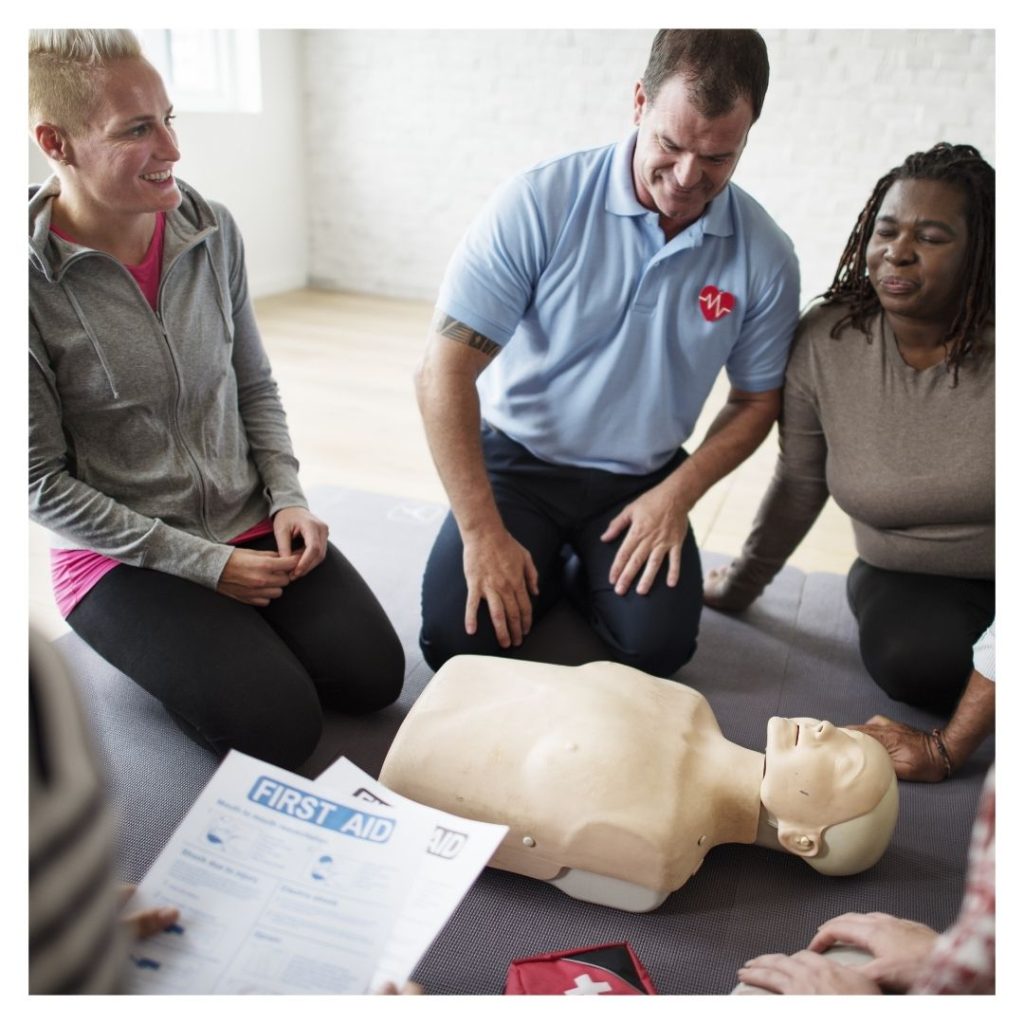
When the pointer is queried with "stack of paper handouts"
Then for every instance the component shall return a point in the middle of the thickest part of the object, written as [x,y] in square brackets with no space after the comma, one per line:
[288,885]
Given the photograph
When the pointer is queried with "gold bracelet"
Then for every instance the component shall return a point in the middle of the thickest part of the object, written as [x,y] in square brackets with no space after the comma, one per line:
[937,736]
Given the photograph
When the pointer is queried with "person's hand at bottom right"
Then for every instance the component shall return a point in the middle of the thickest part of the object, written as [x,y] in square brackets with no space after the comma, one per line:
[899,947]
[805,973]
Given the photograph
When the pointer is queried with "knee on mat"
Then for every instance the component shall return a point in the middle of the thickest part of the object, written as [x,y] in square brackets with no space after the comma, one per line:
[931,679]
[441,641]
[377,682]
[657,656]
[283,734]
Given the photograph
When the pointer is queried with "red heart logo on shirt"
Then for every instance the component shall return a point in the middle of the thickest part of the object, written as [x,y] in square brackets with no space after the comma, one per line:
[715,304]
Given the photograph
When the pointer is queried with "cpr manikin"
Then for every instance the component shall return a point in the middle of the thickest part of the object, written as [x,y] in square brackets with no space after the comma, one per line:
[616,784]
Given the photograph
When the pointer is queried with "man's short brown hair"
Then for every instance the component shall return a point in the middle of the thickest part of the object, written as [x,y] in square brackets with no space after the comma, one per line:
[719,66]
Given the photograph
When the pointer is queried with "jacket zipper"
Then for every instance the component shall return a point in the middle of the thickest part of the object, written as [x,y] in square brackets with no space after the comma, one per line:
[193,463]
[197,471]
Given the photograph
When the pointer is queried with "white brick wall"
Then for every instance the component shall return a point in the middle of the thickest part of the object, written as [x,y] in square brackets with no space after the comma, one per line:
[409,131]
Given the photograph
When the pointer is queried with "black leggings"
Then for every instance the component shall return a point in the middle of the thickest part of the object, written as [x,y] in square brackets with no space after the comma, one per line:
[917,631]
[234,676]
[552,511]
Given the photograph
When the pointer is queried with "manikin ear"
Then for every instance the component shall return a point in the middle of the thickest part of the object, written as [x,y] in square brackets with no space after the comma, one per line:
[804,842]
[52,142]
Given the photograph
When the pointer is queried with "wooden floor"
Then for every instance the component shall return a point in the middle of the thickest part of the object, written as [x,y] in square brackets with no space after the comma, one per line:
[344,364]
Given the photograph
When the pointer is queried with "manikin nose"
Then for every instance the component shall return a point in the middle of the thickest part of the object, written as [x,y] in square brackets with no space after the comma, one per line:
[815,727]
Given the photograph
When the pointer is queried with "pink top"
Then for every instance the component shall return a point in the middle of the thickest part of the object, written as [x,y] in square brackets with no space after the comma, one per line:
[146,273]
[75,571]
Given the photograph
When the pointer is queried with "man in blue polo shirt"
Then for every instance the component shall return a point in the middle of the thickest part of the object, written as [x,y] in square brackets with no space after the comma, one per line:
[580,326]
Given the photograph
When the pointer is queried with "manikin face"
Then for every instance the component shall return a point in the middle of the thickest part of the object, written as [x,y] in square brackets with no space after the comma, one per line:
[121,163]
[683,159]
[916,252]
[817,775]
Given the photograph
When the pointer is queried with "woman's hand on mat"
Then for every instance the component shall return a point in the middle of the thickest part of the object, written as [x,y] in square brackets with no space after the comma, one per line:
[899,947]
[721,592]
[655,526]
[500,571]
[256,577]
[148,921]
[299,524]
[805,973]
[915,754]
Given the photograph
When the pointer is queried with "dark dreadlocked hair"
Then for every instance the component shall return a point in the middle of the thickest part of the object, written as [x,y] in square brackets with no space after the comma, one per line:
[964,167]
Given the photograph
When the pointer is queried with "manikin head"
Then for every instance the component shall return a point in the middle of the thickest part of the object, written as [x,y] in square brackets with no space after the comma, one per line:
[830,794]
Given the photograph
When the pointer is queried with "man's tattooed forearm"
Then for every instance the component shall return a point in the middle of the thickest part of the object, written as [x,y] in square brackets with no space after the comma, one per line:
[448,327]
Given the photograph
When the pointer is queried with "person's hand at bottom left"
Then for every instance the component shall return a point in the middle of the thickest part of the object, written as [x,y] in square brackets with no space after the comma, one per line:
[805,973]
[148,921]
[389,988]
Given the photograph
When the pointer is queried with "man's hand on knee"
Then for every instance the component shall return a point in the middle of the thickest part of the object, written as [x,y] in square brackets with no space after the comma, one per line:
[655,526]
[500,571]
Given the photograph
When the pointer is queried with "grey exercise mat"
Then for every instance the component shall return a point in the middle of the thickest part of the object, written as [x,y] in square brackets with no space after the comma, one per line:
[793,653]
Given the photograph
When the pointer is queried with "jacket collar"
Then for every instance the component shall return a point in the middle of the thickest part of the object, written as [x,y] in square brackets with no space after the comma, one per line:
[191,222]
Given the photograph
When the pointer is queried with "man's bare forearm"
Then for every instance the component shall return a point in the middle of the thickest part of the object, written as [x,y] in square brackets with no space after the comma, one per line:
[740,426]
[448,401]
[973,720]
[499,571]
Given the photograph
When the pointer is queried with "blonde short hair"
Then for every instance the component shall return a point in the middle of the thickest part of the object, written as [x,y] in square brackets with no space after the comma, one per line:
[63,65]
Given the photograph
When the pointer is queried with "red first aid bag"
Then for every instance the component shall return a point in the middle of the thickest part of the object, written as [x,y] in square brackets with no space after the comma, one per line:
[610,970]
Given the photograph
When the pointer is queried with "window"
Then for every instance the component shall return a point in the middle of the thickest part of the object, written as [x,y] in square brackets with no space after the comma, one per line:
[211,71]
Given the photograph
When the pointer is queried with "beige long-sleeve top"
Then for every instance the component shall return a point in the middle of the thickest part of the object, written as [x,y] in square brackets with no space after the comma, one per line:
[907,456]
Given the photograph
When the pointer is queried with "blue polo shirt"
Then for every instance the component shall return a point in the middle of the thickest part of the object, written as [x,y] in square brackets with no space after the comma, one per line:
[612,338]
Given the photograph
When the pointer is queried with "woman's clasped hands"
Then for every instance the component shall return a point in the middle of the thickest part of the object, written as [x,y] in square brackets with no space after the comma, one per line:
[258,577]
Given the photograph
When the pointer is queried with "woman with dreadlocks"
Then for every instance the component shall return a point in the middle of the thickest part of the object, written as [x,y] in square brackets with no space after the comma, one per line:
[889,407]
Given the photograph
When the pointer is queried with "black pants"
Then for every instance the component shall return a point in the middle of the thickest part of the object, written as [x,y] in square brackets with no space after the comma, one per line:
[555,511]
[236,676]
[917,631]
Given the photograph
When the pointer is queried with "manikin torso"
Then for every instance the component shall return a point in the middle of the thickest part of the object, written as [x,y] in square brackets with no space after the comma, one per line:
[601,772]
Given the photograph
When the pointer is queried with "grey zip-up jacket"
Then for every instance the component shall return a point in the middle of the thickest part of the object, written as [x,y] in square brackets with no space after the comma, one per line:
[153,437]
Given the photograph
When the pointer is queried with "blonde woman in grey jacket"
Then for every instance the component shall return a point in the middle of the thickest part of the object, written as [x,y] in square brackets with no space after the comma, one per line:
[184,550]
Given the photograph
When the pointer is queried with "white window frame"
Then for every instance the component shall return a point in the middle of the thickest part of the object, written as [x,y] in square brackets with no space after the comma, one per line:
[230,75]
